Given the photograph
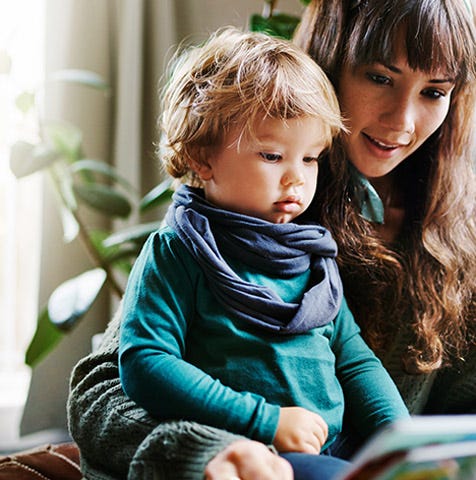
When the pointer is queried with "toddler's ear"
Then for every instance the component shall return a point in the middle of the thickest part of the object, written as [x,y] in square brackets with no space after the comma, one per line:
[203,170]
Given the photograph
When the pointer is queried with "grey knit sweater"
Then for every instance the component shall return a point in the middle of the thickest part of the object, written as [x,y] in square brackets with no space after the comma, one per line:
[118,440]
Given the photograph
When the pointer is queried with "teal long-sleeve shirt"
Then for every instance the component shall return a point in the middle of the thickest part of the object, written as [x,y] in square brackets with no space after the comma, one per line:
[182,356]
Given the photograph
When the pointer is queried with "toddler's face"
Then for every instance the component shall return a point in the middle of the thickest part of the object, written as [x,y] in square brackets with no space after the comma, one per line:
[272,176]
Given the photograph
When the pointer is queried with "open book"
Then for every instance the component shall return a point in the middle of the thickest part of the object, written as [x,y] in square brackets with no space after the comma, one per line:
[419,448]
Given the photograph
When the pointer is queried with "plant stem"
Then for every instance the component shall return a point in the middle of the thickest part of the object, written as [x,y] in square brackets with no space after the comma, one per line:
[268,8]
[96,257]
[91,250]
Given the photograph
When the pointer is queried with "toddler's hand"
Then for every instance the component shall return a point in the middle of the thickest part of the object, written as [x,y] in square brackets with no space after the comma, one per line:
[300,430]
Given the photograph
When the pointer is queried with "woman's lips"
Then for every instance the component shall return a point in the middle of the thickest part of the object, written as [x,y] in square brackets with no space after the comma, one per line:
[382,149]
[381,144]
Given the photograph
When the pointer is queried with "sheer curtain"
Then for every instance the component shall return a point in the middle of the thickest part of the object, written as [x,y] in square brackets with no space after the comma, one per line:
[21,69]
[128,43]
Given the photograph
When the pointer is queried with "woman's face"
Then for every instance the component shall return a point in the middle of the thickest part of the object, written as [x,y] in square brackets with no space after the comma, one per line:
[391,110]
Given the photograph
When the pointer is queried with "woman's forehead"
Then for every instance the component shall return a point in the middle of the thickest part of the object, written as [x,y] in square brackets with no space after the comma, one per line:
[401,48]
[433,39]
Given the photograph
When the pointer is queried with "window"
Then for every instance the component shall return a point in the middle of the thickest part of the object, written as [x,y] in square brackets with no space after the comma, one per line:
[21,69]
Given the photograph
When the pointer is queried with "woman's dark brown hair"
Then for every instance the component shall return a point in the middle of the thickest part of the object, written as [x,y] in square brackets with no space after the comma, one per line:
[426,281]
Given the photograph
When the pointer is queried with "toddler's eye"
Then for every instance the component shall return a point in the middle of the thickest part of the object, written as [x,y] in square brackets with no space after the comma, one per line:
[270,157]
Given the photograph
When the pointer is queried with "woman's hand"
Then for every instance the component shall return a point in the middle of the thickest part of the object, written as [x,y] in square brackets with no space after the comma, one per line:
[248,460]
[300,430]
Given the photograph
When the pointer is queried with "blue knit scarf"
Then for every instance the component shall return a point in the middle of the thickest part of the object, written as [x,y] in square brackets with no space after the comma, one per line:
[279,249]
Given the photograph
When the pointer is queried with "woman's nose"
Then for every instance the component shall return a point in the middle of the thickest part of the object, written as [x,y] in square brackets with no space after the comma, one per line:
[400,114]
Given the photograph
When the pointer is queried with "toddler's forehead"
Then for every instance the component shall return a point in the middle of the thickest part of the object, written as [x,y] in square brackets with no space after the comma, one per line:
[267,129]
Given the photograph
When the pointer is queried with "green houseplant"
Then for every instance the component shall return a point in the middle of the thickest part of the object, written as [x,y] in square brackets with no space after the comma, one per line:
[81,183]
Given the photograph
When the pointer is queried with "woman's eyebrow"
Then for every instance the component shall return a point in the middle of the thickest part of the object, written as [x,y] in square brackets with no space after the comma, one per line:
[442,80]
[397,70]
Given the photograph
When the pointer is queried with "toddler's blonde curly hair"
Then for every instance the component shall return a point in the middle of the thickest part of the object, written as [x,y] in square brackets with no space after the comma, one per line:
[234,79]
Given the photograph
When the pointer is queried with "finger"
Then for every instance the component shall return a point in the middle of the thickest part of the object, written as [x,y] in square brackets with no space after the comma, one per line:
[323,425]
[220,467]
[317,438]
[322,430]
[275,468]
[219,472]
[282,469]
[313,447]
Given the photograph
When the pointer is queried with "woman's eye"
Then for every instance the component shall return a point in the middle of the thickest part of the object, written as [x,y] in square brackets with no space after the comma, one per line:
[378,79]
[270,157]
[310,159]
[433,94]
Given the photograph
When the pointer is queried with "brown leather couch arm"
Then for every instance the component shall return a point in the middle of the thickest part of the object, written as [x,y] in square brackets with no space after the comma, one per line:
[48,462]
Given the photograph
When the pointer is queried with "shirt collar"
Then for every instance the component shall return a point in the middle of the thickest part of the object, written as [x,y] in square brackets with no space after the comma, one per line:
[371,206]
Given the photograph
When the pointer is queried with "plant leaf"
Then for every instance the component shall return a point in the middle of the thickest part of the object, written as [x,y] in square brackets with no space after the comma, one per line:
[63,185]
[73,298]
[65,138]
[25,101]
[70,225]
[96,237]
[159,195]
[26,158]
[135,234]
[81,77]
[5,62]
[44,340]
[104,199]
[123,255]
[280,24]
[96,166]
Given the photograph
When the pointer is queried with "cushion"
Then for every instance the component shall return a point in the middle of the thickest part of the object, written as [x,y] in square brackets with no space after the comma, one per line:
[48,462]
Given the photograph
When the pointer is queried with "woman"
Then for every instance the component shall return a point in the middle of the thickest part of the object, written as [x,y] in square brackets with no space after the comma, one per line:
[397,194]
[402,207]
